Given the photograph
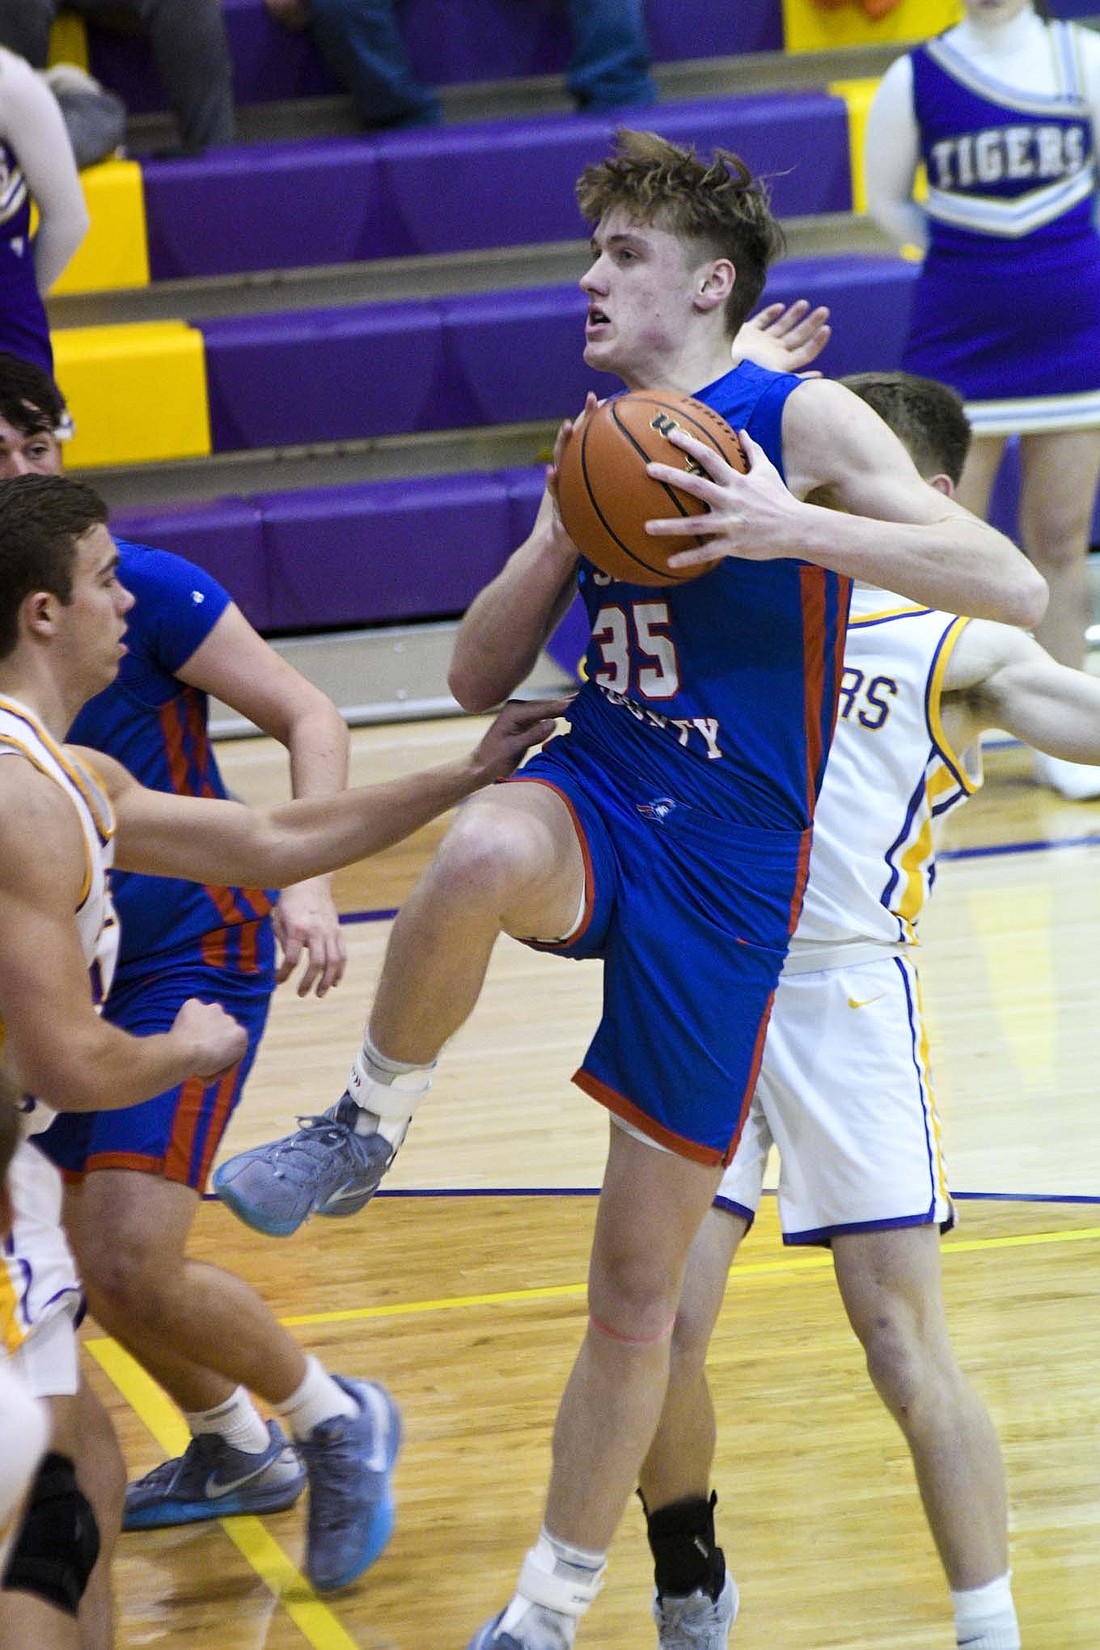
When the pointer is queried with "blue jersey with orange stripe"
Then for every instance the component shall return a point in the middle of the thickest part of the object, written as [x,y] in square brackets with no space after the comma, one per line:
[723,690]
[156,726]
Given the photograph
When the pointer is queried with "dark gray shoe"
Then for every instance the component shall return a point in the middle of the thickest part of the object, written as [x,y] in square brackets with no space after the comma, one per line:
[349,1461]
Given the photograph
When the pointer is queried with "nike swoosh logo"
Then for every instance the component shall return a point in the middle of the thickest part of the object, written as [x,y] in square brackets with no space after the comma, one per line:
[216,1488]
[864,1002]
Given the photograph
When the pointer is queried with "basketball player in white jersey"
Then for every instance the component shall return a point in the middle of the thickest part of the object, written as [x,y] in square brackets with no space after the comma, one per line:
[62,623]
[844,1089]
[24,1419]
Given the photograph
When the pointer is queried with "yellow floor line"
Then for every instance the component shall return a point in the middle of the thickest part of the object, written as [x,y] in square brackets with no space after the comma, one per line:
[259,1549]
[788,1266]
[314,1620]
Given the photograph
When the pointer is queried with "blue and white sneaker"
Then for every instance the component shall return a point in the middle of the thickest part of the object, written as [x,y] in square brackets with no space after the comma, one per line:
[489,1638]
[324,1168]
[211,1479]
[350,1460]
[543,1637]
[696,1622]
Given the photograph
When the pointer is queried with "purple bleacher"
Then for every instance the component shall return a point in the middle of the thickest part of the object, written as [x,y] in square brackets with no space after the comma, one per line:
[383,551]
[450,42]
[224,536]
[870,297]
[506,183]
[328,375]
[489,358]
[281,206]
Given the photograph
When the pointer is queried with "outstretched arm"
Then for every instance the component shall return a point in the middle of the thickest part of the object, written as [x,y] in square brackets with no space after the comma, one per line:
[235,664]
[873,518]
[208,841]
[60,1049]
[998,677]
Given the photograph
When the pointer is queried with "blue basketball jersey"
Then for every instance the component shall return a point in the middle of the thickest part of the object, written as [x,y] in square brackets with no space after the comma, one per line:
[722,690]
[1013,165]
[24,330]
[156,726]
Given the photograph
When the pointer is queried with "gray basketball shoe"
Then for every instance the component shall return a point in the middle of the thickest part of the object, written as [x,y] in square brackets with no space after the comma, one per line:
[696,1622]
[323,1168]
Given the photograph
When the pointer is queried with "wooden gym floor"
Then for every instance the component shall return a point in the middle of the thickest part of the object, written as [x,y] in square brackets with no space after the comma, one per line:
[462,1288]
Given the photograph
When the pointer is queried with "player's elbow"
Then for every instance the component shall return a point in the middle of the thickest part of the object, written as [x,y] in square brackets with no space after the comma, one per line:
[1026,597]
[471,689]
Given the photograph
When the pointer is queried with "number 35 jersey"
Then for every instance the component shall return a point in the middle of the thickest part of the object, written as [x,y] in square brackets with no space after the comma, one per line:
[892,775]
[720,692]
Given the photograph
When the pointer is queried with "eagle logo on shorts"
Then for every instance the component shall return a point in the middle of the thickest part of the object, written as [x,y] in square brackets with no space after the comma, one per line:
[658,809]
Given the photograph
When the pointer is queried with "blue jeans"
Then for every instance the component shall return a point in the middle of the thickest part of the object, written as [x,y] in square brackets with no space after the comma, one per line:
[362,45]
[609,68]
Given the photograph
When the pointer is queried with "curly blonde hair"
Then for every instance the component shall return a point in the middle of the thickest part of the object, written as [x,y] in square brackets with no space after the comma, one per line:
[716,206]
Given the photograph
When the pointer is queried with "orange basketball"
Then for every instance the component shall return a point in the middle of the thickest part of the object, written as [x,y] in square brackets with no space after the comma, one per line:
[606,497]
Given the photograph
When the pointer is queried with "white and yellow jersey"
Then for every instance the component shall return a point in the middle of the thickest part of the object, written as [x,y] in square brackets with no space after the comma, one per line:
[892,775]
[22,734]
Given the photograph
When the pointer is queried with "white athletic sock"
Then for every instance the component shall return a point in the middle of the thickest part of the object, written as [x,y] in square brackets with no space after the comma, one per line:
[985,1617]
[556,1586]
[317,1399]
[237,1421]
[387,1093]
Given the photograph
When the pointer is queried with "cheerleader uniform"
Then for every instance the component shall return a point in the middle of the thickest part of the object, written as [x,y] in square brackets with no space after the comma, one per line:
[1007,305]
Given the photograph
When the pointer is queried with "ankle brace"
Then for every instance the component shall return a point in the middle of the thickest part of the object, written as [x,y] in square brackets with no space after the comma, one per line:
[686,1558]
[391,1102]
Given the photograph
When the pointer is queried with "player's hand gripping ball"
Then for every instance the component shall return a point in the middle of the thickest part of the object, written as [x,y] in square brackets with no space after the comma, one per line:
[606,497]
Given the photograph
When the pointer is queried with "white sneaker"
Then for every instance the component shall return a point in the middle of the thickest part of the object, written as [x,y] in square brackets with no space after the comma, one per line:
[1076,781]
[696,1622]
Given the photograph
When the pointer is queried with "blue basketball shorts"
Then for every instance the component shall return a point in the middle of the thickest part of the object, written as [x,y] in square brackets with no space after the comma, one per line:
[691,915]
[175,1134]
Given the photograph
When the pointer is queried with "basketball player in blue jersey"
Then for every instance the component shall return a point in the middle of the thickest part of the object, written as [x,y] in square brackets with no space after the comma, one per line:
[668,832]
[1003,112]
[63,811]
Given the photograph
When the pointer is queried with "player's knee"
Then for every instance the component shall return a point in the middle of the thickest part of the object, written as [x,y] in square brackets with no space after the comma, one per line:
[897,1361]
[690,1337]
[632,1299]
[128,1285]
[485,859]
[55,1550]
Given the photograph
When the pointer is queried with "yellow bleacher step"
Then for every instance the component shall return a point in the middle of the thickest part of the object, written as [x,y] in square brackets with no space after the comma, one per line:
[137,393]
[115,251]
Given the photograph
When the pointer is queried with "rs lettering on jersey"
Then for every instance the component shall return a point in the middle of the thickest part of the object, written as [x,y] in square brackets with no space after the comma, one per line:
[1008,154]
[866,701]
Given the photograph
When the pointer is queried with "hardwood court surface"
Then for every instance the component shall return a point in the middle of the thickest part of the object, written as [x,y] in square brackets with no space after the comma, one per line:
[464,1289]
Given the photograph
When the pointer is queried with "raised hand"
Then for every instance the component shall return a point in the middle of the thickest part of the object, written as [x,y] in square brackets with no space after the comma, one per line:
[784,337]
